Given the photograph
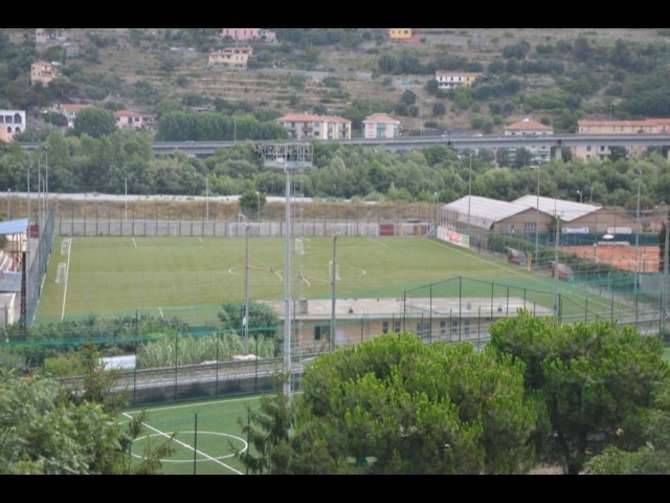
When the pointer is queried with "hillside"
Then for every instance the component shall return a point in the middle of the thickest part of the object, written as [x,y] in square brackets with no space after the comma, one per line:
[554,74]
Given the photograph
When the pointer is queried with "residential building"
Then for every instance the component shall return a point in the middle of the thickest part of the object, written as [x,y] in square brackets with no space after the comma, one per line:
[476,212]
[381,126]
[12,122]
[582,218]
[596,151]
[44,72]
[236,57]
[247,34]
[433,319]
[49,37]
[321,127]
[400,34]
[71,49]
[126,119]
[70,111]
[530,127]
[451,80]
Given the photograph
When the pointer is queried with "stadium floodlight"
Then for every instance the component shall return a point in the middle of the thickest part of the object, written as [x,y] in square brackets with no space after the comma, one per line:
[289,157]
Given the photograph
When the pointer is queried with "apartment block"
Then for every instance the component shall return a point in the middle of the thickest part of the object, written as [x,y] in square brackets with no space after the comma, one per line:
[322,127]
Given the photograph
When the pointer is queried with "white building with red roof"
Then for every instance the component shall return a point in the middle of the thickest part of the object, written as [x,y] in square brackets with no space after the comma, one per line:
[451,80]
[531,127]
[125,119]
[321,127]
[380,126]
[43,71]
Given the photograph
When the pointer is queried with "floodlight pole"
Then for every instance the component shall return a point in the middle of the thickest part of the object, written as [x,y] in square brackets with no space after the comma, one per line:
[637,244]
[207,198]
[556,272]
[666,256]
[246,288]
[287,285]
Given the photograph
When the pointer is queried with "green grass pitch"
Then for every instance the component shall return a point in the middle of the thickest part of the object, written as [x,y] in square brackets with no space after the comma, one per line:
[219,436]
[191,277]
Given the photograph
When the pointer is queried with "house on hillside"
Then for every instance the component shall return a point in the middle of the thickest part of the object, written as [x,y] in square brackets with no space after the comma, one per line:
[12,122]
[248,34]
[44,72]
[594,126]
[322,127]
[530,127]
[125,119]
[381,126]
[236,57]
[400,34]
[70,111]
[452,80]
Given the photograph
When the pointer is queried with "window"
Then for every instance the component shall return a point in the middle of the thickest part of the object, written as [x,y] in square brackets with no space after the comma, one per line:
[8,119]
[529,227]
[320,332]
[588,148]
[443,328]
[602,148]
[17,119]
[385,327]
[466,327]
[396,326]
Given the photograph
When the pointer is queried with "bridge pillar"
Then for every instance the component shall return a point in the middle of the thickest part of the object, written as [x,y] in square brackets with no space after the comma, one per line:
[558,153]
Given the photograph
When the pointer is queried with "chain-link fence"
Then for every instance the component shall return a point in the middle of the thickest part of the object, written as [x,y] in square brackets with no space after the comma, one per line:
[38,253]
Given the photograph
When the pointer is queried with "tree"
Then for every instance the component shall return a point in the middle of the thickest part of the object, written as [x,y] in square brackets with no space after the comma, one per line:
[617,153]
[408,98]
[439,109]
[395,405]
[252,203]
[597,380]
[262,319]
[94,122]
[523,157]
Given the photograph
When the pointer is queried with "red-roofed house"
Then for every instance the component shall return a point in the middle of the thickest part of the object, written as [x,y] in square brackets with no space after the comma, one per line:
[322,127]
[126,119]
[531,127]
[380,126]
[592,126]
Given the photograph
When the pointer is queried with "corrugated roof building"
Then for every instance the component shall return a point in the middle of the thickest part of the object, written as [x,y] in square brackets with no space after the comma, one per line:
[493,214]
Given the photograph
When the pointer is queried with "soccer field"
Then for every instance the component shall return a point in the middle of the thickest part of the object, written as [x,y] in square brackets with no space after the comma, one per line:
[191,277]
[219,435]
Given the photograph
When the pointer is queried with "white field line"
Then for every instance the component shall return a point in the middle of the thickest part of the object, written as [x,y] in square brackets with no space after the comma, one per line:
[200,239]
[161,312]
[203,404]
[67,275]
[183,444]
[305,280]
[281,278]
[491,262]
[134,243]
[379,243]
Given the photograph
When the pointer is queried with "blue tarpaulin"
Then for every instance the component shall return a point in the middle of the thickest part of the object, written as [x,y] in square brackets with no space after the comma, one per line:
[14,226]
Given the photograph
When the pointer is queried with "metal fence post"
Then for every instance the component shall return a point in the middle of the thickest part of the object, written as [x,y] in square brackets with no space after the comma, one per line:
[460,306]
[404,310]
[176,363]
[430,316]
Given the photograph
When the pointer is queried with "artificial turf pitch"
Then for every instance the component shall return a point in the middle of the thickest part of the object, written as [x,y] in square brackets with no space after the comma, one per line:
[191,277]
[219,435]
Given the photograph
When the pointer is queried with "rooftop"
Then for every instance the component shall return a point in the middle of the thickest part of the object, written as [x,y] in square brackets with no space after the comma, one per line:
[72,107]
[381,118]
[385,308]
[126,113]
[566,210]
[528,124]
[456,74]
[312,118]
[622,123]
[484,212]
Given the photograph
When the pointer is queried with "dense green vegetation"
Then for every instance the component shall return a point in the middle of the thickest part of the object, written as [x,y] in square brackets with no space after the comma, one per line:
[585,396]
[84,163]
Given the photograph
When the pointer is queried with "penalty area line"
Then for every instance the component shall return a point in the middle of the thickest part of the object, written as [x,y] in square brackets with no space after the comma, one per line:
[134,243]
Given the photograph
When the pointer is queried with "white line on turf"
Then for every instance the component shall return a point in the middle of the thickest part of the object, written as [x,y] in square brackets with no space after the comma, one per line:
[67,275]
[134,243]
[202,404]
[183,444]
[200,239]
[161,312]
[379,243]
